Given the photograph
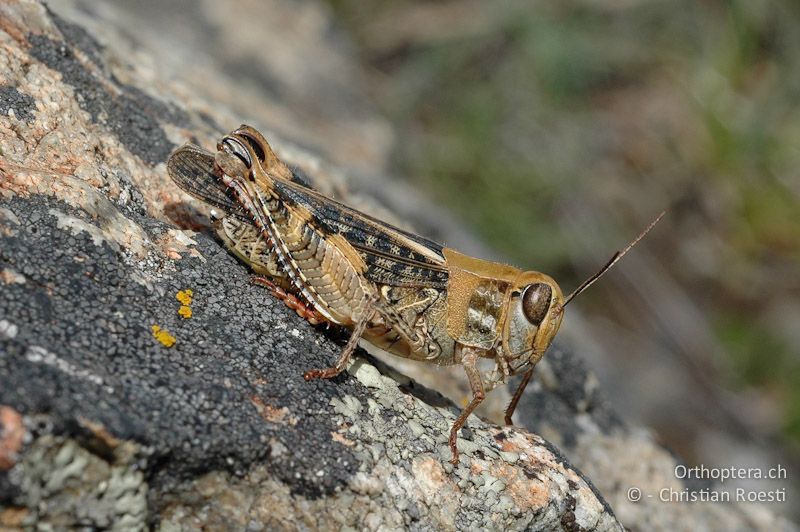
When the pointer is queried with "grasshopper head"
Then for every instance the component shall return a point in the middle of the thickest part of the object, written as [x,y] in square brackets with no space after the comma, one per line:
[247,164]
[535,310]
[537,306]
[245,151]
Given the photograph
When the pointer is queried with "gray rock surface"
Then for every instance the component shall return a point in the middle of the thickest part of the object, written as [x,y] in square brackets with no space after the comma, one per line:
[134,415]
[106,423]
[225,408]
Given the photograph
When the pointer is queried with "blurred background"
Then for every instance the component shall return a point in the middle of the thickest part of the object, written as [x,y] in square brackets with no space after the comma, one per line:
[555,131]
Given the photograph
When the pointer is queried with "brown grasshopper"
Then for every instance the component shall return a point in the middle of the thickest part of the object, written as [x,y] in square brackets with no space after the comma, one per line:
[401,292]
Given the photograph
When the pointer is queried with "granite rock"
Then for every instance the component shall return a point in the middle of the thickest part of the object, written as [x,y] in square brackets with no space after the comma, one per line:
[119,412]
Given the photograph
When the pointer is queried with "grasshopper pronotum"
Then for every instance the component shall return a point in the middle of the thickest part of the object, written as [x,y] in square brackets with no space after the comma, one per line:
[403,293]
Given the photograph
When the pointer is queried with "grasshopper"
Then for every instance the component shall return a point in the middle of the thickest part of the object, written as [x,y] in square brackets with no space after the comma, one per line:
[399,291]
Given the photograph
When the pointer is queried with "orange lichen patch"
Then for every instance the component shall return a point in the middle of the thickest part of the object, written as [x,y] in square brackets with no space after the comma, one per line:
[503,438]
[523,492]
[12,433]
[184,297]
[437,488]
[341,439]
[431,472]
[163,336]
[272,414]
[515,440]
[477,466]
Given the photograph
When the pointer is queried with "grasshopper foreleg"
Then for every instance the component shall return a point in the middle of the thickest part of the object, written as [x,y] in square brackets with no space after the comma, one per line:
[517,395]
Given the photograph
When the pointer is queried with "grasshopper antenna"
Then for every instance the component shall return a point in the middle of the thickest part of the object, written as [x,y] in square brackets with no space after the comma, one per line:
[618,255]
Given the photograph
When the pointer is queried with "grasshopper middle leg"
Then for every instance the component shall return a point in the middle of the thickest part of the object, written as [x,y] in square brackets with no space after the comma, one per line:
[469,361]
[347,352]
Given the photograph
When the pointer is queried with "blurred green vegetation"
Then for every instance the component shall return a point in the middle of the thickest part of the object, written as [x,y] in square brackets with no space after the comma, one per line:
[515,114]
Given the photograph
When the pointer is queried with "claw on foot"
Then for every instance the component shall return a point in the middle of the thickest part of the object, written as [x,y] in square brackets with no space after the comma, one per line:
[453,448]
[320,374]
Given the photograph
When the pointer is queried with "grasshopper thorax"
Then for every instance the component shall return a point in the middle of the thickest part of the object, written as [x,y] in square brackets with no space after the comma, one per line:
[501,310]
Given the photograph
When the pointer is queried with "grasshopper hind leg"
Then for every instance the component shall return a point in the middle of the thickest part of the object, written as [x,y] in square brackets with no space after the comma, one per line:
[291,300]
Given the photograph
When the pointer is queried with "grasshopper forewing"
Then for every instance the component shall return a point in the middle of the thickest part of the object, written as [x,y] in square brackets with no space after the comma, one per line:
[401,292]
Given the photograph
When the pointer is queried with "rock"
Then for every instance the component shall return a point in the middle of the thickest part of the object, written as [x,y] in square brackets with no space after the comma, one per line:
[223,412]
[121,412]
[128,402]
[636,475]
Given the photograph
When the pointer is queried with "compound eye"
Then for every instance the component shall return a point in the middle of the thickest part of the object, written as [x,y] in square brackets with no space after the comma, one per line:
[235,147]
[536,302]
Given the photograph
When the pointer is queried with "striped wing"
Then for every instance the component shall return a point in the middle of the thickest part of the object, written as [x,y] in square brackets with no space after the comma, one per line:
[393,256]
[193,169]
